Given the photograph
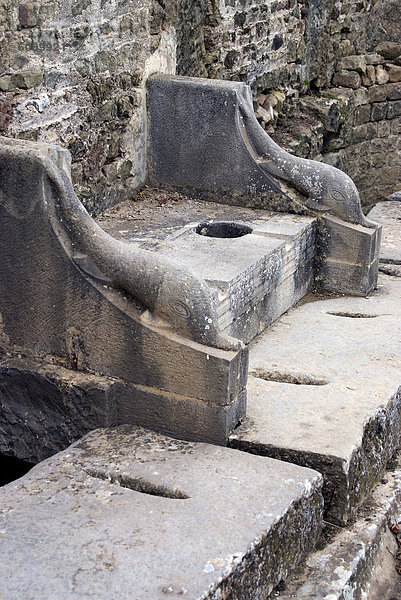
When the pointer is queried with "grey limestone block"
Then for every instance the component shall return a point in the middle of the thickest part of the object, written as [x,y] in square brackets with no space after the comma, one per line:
[44,407]
[126,513]
[257,276]
[347,257]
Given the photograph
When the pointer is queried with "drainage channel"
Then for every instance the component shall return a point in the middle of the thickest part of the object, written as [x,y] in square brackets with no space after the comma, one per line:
[292,378]
[139,485]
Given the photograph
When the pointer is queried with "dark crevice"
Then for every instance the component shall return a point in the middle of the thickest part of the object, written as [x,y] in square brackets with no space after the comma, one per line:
[223,229]
[390,261]
[137,484]
[352,315]
[292,378]
[12,468]
[393,270]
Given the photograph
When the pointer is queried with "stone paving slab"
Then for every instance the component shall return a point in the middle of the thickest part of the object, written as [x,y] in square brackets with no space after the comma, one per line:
[129,514]
[325,392]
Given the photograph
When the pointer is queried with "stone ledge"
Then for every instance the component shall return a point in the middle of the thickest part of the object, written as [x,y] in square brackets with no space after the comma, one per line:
[126,509]
[63,405]
[357,562]
[327,393]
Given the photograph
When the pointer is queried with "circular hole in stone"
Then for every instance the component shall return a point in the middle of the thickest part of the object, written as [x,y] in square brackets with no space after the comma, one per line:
[223,229]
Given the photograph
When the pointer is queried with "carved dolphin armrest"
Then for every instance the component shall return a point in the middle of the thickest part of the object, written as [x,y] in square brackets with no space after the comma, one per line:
[107,332]
[171,292]
[326,188]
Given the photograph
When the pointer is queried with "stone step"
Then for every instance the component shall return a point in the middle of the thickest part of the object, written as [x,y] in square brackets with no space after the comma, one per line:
[358,561]
[126,513]
[325,392]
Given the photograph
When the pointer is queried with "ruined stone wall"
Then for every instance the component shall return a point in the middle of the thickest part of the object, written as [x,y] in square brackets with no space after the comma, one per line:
[72,72]
[353,119]
[325,74]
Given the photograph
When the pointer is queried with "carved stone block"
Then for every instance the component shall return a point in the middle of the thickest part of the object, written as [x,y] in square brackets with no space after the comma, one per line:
[348,257]
[64,297]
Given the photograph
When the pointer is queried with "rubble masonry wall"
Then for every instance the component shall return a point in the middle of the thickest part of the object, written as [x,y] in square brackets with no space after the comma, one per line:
[74,72]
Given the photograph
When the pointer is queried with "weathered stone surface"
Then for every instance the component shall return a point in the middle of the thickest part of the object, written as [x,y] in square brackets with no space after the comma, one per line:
[27,79]
[353,63]
[328,111]
[373,59]
[271,45]
[395,196]
[6,83]
[382,23]
[139,511]
[257,276]
[274,46]
[379,111]
[347,257]
[6,111]
[193,25]
[362,114]
[389,215]
[263,115]
[325,393]
[394,91]
[394,110]
[349,79]
[370,77]
[388,49]
[378,93]
[394,73]
[358,561]
[382,75]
